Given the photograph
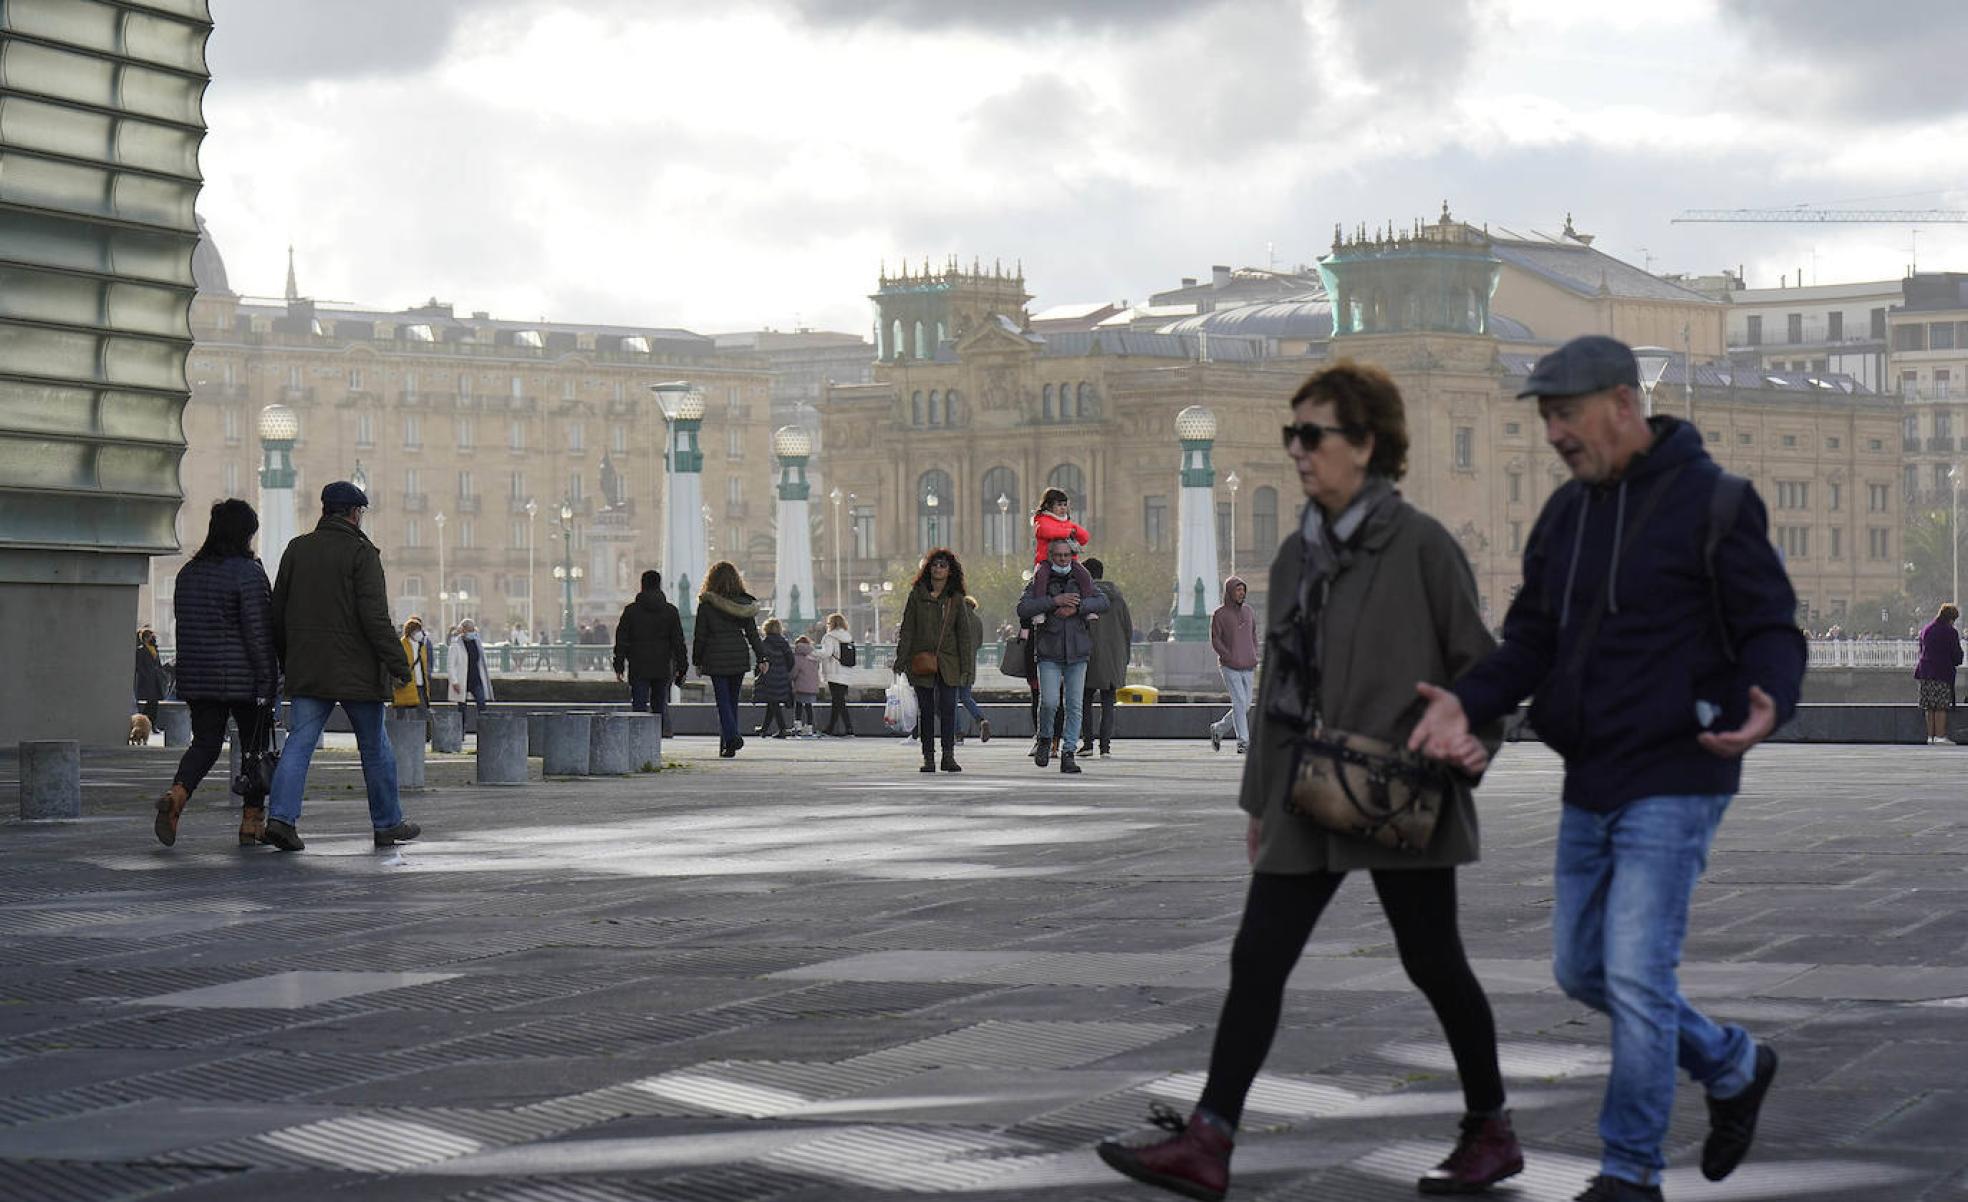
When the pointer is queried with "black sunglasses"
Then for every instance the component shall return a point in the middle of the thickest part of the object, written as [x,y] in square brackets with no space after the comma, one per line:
[1308,434]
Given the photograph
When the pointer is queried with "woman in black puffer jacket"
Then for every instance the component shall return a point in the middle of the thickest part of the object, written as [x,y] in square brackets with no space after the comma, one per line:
[726,644]
[226,663]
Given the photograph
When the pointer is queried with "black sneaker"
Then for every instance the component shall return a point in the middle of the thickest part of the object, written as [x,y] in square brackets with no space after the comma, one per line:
[1732,1121]
[1042,753]
[1618,1189]
[282,835]
[402,832]
[1067,765]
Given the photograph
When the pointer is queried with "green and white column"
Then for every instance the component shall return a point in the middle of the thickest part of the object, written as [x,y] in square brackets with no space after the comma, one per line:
[279,427]
[686,554]
[1196,582]
[792,590]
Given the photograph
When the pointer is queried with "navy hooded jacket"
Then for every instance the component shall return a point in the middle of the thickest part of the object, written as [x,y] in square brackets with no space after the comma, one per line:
[1624,710]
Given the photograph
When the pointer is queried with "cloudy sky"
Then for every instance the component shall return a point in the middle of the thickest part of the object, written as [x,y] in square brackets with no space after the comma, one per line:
[741,164]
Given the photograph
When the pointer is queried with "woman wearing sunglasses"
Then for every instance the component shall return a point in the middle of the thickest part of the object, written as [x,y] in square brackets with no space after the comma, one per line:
[1370,596]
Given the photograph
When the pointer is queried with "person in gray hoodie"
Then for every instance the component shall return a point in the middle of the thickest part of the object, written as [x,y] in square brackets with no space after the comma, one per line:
[1233,636]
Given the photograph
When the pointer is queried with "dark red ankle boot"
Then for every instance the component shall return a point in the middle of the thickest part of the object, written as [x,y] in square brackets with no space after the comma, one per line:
[1486,1153]
[1193,1160]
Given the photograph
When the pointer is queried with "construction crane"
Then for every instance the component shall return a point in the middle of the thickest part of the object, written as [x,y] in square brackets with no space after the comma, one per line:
[1829,216]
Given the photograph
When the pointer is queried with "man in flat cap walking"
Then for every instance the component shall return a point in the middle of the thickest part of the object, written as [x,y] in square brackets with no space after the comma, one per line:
[332,632]
[1657,630]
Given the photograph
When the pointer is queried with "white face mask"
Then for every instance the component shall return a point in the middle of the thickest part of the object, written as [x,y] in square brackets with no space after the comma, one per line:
[1060,569]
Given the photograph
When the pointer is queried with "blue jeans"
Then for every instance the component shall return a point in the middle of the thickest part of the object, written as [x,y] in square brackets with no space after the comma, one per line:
[1620,913]
[1055,677]
[310,715]
[1238,682]
[969,703]
[725,689]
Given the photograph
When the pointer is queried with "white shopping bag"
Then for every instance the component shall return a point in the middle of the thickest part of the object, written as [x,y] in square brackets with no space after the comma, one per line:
[899,712]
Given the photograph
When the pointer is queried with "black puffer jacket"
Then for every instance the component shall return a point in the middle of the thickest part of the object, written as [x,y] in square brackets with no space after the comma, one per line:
[777,683]
[726,641]
[649,639]
[225,631]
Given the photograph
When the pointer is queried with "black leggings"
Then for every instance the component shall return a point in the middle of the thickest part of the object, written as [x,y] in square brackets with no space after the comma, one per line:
[208,726]
[1279,915]
[837,711]
[775,716]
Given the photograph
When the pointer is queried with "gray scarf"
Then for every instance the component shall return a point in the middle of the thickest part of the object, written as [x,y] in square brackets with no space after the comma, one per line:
[1297,638]
[1326,543]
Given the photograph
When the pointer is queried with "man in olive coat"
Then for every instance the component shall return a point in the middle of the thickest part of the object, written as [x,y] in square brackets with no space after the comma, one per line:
[1113,643]
[332,632]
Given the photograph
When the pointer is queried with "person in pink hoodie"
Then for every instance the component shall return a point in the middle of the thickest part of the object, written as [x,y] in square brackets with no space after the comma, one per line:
[1233,636]
[806,685]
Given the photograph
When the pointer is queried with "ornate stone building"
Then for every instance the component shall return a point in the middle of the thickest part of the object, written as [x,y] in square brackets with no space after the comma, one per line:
[968,405]
[471,417]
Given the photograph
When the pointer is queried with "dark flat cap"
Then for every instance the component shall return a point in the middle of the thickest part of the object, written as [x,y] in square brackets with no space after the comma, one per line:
[343,495]
[1591,363]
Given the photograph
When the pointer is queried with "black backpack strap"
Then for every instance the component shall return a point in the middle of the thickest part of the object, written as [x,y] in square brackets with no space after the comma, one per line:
[1589,631]
[1724,506]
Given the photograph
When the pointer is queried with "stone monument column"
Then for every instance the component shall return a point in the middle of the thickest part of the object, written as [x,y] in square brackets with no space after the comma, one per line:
[1196,582]
[792,595]
[279,427]
[686,555]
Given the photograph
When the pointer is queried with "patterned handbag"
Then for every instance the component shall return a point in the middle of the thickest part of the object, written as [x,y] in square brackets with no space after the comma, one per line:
[1368,788]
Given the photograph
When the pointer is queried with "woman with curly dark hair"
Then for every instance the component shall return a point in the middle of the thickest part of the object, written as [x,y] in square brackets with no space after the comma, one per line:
[936,650]
[726,644]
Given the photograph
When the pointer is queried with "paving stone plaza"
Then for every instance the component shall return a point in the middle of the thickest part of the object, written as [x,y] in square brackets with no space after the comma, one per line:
[812,974]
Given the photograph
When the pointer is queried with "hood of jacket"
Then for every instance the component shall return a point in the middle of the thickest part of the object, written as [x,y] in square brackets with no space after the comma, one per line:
[742,606]
[652,600]
[802,649]
[1230,582]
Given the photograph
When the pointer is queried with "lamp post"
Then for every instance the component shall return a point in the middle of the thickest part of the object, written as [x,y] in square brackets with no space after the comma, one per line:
[1196,556]
[874,594]
[532,513]
[686,553]
[1653,362]
[792,578]
[567,574]
[443,593]
[839,562]
[1004,529]
[1232,482]
[279,428]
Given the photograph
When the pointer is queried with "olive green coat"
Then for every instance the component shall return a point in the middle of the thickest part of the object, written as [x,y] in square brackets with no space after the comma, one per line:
[331,619]
[975,625]
[924,629]
[1404,609]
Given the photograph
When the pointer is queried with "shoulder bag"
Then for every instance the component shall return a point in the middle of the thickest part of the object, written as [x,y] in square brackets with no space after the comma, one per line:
[1352,784]
[924,663]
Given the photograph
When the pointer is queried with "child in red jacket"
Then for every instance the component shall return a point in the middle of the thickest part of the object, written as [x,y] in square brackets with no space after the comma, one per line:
[1052,522]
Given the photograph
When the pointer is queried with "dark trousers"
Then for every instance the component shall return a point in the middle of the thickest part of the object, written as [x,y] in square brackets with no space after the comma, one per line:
[477,692]
[149,710]
[725,689]
[208,726]
[937,707]
[837,710]
[649,695]
[775,716]
[1106,699]
[1279,915]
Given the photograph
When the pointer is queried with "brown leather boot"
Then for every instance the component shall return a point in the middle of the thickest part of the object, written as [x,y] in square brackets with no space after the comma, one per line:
[1194,1160]
[170,807]
[1485,1154]
[252,824]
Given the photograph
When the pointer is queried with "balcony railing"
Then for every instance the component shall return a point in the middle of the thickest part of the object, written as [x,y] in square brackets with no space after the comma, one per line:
[1940,443]
[1910,444]
[516,505]
[415,502]
[468,504]
[296,396]
[737,509]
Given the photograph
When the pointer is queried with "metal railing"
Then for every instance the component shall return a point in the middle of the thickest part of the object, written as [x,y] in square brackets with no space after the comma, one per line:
[1865,653]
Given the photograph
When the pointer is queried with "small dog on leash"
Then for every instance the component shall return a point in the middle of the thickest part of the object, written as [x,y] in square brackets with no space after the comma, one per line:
[139,730]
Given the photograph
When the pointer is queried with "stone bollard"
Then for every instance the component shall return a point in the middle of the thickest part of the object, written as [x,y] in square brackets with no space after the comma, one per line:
[406,736]
[647,740]
[174,723]
[536,734]
[50,780]
[447,727]
[502,749]
[612,745]
[567,747]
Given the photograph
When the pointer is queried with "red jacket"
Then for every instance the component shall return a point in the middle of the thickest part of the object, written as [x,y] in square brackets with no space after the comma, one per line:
[1046,528]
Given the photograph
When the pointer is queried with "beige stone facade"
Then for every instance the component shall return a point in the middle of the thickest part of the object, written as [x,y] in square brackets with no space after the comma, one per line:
[471,418]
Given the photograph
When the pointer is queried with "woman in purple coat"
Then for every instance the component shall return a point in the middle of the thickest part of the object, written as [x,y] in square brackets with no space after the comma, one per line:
[1940,655]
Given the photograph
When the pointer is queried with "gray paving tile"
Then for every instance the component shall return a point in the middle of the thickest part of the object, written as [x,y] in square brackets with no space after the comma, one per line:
[290,990]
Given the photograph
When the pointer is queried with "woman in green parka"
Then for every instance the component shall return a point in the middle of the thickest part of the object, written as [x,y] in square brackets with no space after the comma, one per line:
[935,622]
[726,645]
[1368,597]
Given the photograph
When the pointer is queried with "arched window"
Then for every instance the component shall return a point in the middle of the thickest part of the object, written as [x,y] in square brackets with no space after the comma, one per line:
[950,415]
[1264,520]
[1065,413]
[916,409]
[1004,525]
[1072,480]
[940,334]
[922,342]
[895,340]
[1084,406]
[935,407]
[935,509]
[1045,412]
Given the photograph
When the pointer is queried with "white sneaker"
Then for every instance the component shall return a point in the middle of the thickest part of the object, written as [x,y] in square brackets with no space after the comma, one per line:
[1216,739]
